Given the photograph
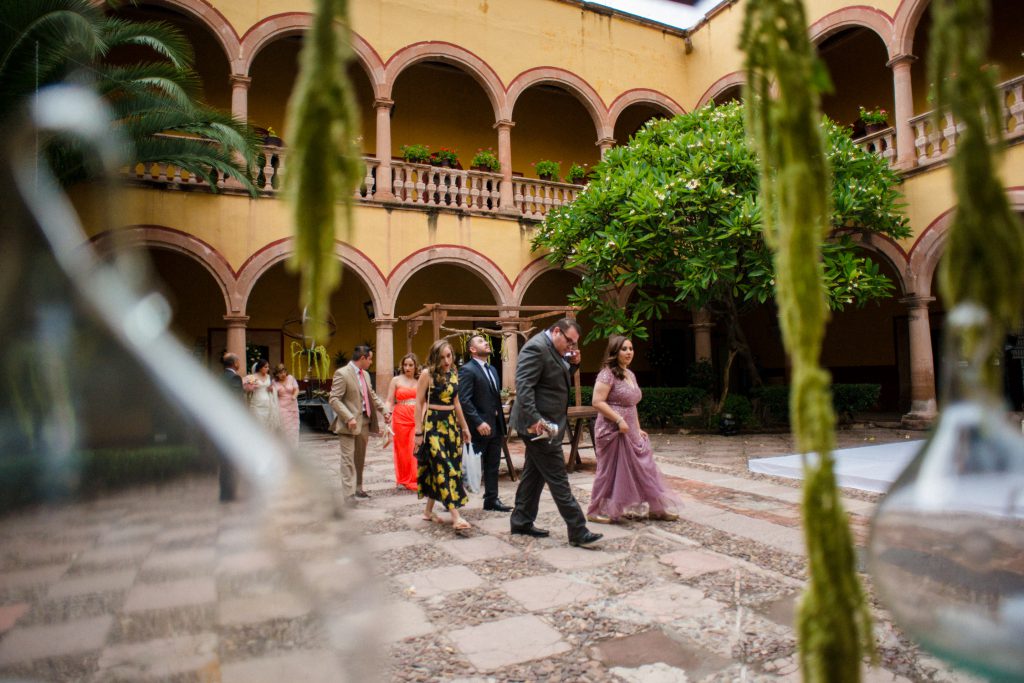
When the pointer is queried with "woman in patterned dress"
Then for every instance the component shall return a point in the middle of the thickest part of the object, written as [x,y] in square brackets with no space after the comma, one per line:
[444,427]
[628,483]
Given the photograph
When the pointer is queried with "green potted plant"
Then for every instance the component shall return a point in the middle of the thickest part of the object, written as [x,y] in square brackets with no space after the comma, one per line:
[485,160]
[548,170]
[445,157]
[874,119]
[577,174]
[416,154]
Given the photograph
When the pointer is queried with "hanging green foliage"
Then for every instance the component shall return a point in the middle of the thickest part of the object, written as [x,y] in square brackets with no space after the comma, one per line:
[784,82]
[984,260]
[323,162]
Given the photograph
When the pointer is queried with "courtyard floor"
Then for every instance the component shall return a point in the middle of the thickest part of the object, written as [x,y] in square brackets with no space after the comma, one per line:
[166,584]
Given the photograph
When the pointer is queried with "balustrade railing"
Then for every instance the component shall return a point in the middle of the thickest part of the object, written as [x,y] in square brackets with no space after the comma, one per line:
[535,198]
[882,143]
[423,185]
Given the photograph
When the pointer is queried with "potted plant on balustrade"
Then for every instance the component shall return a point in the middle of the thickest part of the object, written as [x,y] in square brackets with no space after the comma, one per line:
[416,154]
[485,160]
[577,174]
[445,157]
[548,170]
[874,120]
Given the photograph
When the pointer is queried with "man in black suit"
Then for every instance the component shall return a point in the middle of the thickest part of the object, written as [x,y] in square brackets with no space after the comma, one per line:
[543,381]
[233,381]
[480,397]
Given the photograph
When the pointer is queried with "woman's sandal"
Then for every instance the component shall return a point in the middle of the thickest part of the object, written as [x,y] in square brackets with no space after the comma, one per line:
[462,525]
[663,516]
[432,518]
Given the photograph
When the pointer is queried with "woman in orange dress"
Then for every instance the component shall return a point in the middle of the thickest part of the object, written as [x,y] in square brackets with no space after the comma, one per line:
[401,401]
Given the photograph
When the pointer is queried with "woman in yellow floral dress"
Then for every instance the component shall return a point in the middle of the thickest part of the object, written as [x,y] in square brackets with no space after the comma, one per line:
[439,476]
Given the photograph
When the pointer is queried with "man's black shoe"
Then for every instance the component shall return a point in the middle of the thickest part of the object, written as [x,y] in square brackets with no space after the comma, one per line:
[531,530]
[497,506]
[586,539]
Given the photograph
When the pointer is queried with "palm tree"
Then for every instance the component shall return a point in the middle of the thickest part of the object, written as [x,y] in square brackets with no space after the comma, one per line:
[155,103]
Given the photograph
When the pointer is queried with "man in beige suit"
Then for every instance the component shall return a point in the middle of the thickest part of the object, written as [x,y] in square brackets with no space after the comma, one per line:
[353,401]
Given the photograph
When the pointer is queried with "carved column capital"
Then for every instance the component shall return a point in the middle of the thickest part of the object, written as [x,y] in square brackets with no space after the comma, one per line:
[235,320]
[915,302]
[238,80]
[504,123]
[383,103]
[384,323]
[899,60]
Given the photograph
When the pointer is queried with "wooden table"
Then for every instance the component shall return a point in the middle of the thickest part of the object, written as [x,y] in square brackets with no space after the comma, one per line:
[579,416]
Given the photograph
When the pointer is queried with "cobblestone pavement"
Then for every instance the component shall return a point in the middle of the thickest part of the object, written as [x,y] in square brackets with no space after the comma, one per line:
[166,584]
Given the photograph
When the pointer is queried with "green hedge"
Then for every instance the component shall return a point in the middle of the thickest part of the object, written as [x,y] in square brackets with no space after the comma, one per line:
[661,406]
[847,399]
[28,479]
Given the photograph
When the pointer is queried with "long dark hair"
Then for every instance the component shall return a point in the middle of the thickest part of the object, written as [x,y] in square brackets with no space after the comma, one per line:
[434,361]
[611,355]
[415,364]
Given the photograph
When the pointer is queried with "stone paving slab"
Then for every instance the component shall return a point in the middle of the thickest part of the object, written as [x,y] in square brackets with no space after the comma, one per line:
[161,659]
[405,620]
[29,578]
[87,584]
[170,594]
[568,558]
[663,604]
[393,540]
[691,563]
[245,562]
[317,666]
[497,644]
[477,548]
[24,644]
[537,593]
[431,582]
[262,608]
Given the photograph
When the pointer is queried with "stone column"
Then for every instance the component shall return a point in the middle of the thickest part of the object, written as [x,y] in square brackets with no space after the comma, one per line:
[922,368]
[240,96]
[906,151]
[236,337]
[384,190]
[510,354]
[506,201]
[384,354]
[605,144]
[702,327]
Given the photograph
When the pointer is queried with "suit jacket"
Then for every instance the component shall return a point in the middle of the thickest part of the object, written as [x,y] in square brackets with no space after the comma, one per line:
[543,381]
[347,402]
[481,401]
[232,381]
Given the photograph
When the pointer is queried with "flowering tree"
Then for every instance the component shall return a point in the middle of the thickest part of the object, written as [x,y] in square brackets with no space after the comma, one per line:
[676,215]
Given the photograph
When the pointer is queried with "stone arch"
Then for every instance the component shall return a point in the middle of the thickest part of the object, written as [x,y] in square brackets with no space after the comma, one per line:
[295,23]
[931,245]
[892,254]
[908,14]
[169,239]
[855,17]
[528,275]
[470,259]
[448,53]
[642,96]
[351,259]
[721,85]
[572,83]
[212,19]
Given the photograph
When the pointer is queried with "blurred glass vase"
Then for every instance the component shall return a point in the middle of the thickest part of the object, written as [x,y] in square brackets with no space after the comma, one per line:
[947,543]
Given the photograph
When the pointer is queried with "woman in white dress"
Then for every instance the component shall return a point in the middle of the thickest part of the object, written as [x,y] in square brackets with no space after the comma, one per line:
[263,395]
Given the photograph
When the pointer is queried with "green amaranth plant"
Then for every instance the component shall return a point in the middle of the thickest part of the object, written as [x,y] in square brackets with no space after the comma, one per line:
[321,183]
[784,81]
[546,167]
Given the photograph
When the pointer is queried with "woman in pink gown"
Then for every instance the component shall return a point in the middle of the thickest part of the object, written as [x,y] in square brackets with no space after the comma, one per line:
[401,401]
[628,483]
[288,401]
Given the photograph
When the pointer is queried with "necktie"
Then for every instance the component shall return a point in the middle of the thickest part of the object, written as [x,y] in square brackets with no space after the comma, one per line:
[490,375]
[366,394]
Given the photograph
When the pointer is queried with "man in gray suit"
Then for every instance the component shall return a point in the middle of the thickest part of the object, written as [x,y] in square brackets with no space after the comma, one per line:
[543,381]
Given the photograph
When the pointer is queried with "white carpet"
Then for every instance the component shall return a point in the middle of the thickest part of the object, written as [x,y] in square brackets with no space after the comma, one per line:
[870,468]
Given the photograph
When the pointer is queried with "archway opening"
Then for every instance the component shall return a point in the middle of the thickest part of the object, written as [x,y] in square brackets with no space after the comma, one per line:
[440,105]
[734,93]
[552,124]
[553,288]
[274,299]
[633,118]
[665,357]
[274,71]
[856,60]
[211,64]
